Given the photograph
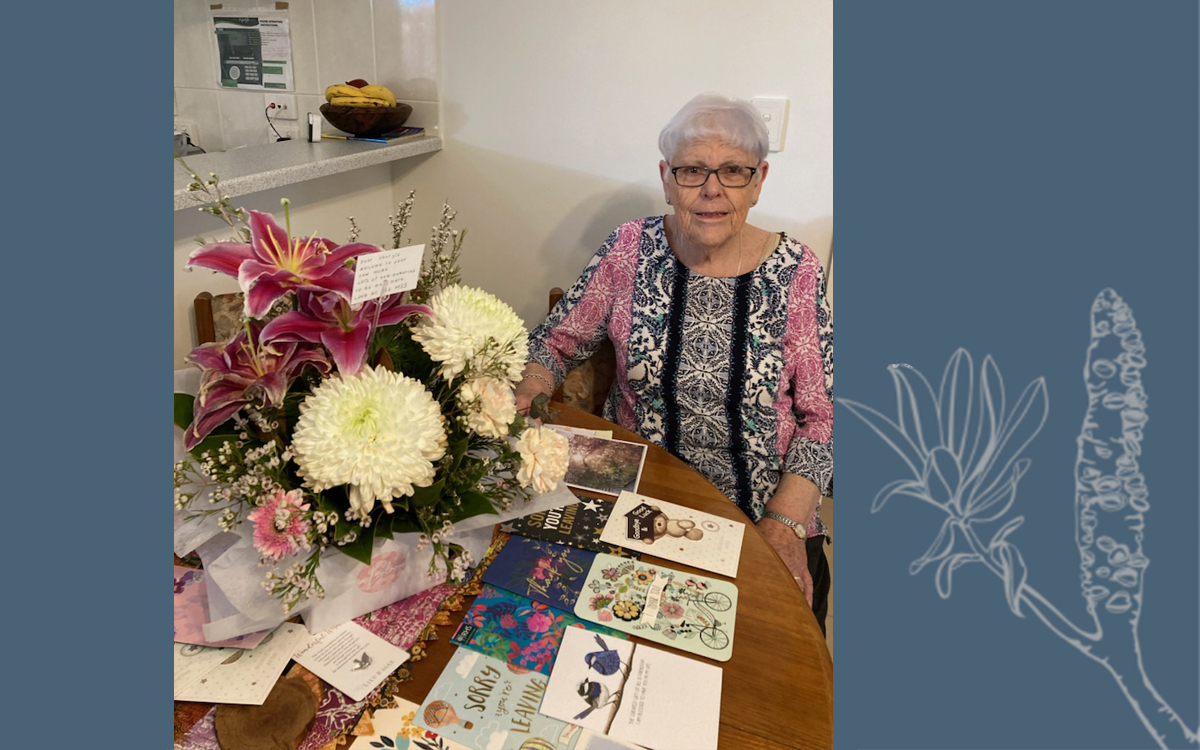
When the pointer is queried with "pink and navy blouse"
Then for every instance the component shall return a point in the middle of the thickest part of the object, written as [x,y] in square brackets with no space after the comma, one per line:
[732,375]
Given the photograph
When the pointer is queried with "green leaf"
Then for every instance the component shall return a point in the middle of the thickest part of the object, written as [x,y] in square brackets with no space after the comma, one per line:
[475,504]
[360,548]
[211,443]
[383,525]
[423,497]
[184,413]
[458,449]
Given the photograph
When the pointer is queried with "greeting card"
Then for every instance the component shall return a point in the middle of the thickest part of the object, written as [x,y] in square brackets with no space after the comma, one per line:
[394,729]
[508,626]
[675,532]
[234,675]
[543,571]
[604,465]
[351,658]
[631,692]
[191,612]
[577,525]
[489,704]
[690,612]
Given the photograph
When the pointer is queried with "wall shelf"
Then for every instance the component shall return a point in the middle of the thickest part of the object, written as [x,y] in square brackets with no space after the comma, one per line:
[271,165]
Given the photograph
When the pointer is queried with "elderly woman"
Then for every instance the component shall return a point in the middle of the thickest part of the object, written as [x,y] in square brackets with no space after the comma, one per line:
[722,334]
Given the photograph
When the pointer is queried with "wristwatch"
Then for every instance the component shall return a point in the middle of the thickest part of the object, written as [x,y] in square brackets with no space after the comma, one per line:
[796,526]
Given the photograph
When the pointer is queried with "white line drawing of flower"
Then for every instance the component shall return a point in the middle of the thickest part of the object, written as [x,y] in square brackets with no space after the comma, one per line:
[963,448]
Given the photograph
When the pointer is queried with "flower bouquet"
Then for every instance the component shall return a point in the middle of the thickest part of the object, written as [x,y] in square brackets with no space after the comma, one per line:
[358,454]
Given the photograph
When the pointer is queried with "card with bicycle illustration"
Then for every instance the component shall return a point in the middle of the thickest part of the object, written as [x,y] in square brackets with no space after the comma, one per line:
[691,612]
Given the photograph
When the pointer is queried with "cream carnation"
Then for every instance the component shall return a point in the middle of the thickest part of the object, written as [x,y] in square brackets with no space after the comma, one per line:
[473,329]
[377,431]
[489,405]
[543,458]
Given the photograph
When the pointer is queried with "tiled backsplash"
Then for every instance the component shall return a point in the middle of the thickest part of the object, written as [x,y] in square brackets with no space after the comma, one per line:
[388,42]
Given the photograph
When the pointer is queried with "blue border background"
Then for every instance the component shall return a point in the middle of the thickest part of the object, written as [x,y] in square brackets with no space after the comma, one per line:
[998,164]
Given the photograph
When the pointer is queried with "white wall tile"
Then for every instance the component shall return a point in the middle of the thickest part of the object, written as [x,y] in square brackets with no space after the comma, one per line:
[406,53]
[201,107]
[243,119]
[345,42]
[195,56]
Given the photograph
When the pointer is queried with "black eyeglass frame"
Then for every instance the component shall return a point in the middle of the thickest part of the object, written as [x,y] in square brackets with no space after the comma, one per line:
[711,172]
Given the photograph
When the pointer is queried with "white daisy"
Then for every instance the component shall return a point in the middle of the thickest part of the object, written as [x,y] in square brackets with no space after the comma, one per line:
[471,329]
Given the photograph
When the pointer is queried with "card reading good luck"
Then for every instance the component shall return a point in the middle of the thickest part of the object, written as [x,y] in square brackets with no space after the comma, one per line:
[578,525]
[632,692]
[488,704]
[675,532]
[690,612]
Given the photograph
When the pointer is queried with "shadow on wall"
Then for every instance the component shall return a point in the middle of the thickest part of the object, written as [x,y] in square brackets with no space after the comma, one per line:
[533,225]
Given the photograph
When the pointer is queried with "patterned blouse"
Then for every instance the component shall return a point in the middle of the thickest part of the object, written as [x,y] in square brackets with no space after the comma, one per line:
[732,375]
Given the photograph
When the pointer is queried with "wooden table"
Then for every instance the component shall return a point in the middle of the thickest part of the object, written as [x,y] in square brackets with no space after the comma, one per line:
[777,690]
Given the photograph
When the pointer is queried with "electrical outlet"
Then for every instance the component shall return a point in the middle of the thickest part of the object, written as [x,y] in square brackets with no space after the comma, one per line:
[774,113]
[189,128]
[285,106]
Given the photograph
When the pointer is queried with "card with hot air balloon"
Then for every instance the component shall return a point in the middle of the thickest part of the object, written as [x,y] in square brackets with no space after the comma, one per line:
[631,692]
[691,612]
[489,704]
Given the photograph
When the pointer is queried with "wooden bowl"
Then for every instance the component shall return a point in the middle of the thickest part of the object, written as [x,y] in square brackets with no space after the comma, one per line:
[366,122]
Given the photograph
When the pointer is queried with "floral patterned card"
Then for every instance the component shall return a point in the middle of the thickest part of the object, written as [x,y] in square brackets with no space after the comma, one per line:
[393,729]
[578,525]
[690,612]
[191,612]
[489,704]
[514,628]
[543,571]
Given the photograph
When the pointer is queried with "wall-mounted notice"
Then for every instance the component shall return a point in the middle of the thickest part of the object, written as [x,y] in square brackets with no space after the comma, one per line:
[254,50]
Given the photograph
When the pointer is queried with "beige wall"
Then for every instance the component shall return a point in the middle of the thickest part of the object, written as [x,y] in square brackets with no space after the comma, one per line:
[551,113]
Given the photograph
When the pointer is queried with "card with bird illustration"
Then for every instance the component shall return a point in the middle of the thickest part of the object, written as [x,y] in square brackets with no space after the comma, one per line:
[691,612]
[577,525]
[631,693]
[514,628]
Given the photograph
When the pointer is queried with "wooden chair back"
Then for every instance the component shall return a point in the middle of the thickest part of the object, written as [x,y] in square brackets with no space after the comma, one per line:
[586,387]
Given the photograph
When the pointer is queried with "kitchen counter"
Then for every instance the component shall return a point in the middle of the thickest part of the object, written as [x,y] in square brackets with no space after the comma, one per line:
[272,165]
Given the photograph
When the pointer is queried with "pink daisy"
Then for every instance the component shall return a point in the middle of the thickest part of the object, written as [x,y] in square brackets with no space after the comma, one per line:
[280,527]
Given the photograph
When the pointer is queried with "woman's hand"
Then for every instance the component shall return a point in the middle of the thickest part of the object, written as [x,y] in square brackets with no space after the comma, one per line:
[793,551]
[536,381]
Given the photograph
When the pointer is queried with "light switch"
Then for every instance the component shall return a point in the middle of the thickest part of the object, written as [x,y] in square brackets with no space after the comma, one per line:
[774,113]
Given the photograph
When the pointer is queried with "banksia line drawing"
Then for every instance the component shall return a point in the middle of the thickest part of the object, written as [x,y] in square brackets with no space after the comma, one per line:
[964,450]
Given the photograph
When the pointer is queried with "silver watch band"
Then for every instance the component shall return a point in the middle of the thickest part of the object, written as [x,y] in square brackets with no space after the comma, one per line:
[795,526]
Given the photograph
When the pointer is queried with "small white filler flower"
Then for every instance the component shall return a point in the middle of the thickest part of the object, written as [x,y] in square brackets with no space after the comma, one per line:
[377,431]
[543,458]
[473,329]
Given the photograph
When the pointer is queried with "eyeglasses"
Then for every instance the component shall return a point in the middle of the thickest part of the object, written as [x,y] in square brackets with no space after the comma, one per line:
[730,177]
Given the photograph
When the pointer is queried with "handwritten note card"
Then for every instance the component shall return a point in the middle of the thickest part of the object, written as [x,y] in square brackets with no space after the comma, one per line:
[351,658]
[386,272]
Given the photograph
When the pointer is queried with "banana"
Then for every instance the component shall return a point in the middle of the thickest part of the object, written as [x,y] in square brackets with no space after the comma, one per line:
[358,101]
[341,89]
[379,92]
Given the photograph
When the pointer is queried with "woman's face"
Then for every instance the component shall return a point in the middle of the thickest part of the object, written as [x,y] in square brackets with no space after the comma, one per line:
[711,215]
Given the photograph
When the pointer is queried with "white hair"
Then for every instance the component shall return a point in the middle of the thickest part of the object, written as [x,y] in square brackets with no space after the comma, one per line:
[712,116]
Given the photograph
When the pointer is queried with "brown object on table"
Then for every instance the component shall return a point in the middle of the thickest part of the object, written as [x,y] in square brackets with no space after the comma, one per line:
[367,122]
[278,724]
[777,688]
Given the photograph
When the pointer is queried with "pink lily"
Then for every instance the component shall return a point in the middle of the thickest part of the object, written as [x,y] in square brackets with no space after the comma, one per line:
[244,371]
[328,319]
[274,263]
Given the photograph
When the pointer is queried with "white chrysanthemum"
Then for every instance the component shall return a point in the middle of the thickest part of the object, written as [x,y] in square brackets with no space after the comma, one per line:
[471,328]
[377,431]
[490,406]
[543,458]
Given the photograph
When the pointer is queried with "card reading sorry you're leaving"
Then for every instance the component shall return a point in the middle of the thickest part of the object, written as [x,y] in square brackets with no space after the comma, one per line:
[675,532]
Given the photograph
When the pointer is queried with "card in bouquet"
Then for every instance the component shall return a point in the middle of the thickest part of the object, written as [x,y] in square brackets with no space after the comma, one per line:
[631,692]
[508,626]
[489,704]
[604,464]
[578,525]
[691,612]
[191,612]
[675,532]
[543,571]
